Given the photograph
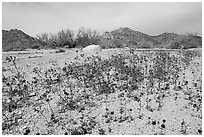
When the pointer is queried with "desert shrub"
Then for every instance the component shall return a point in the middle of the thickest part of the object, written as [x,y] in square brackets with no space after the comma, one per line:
[62,38]
[49,39]
[87,37]
[84,37]
[65,37]
[36,46]
[43,37]
[77,89]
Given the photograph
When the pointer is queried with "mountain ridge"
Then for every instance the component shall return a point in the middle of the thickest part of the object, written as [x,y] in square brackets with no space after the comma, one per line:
[127,37]
[16,39]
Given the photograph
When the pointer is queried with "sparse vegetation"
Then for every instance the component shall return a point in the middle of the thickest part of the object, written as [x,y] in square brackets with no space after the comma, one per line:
[120,38]
[86,37]
[36,46]
[92,95]
[63,38]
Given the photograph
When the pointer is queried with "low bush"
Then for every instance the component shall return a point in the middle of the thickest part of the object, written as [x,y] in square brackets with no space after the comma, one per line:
[36,46]
[92,95]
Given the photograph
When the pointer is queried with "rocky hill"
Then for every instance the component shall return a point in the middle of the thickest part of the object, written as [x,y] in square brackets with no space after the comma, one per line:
[165,37]
[15,40]
[125,37]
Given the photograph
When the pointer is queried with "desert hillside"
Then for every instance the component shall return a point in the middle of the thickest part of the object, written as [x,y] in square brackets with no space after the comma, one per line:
[15,40]
[18,40]
[126,37]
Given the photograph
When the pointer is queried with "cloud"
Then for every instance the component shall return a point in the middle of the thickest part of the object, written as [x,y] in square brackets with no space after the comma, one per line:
[150,18]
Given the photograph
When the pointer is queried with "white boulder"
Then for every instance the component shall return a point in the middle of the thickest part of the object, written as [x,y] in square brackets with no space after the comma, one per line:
[92,49]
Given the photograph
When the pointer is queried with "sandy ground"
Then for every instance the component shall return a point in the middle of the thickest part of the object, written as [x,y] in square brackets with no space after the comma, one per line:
[176,116]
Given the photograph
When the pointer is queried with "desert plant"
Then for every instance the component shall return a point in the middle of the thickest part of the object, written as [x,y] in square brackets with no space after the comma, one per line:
[86,37]
[70,99]
[62,38]
[36,46]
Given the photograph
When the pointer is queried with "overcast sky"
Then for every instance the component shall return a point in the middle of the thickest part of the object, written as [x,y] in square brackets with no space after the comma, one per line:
[149,18]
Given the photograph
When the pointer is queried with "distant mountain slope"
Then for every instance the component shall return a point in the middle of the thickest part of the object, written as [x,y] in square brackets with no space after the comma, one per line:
[175,41]
[165,37]
[125,37]
[17,40]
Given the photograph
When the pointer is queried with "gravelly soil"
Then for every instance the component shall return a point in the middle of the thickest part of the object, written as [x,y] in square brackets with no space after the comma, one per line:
[179,114]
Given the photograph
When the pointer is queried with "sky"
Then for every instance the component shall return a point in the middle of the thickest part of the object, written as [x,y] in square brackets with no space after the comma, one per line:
[150,18]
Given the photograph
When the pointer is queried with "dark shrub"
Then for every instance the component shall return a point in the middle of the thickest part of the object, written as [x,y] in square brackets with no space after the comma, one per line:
[86,37]
[35,46]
